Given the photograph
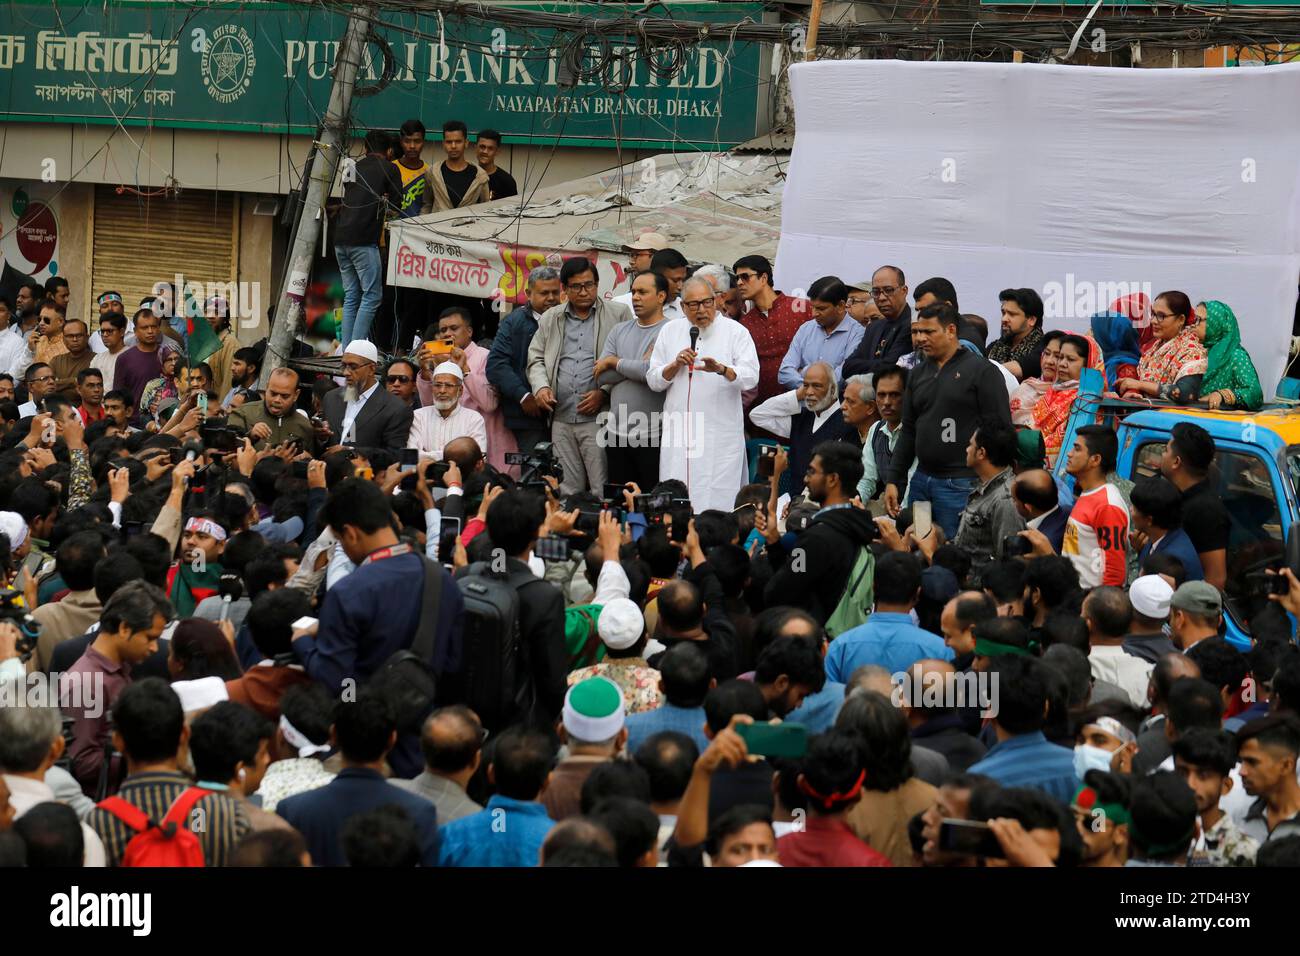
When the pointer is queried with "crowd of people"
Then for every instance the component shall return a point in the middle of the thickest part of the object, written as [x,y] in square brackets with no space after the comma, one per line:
[548,600]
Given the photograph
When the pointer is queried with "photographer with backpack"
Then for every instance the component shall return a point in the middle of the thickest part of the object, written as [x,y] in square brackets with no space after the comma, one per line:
[395,620]
[515,661]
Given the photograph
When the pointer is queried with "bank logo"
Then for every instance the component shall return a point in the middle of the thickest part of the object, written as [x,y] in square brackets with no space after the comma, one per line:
[228,63]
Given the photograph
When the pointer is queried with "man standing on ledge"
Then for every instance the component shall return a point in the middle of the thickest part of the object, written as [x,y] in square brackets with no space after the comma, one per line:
[703,439]
[501,185]
[456,182]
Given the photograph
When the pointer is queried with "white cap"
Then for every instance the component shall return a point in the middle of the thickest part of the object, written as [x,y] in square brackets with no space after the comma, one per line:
[649,242]
[448,368]
[620,624]
[364,349]
[13,527]
[1150,596]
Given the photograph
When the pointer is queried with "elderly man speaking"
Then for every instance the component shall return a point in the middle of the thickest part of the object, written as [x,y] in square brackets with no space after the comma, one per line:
[435,425]
[704,362]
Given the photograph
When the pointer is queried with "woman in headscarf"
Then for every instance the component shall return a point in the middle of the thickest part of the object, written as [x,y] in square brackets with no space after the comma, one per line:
[1027,393]
[1230,378]
[1052,411]
[1177,352]
[1138,309]
[1119,345]
[158,390]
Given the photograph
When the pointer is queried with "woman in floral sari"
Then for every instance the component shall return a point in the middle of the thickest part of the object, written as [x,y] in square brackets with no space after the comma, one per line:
[1177,352]
[1027,393]
[158,390]
[1052,411]
[1230,378]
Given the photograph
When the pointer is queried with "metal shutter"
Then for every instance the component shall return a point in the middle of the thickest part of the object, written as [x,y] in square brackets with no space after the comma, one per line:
[142,240]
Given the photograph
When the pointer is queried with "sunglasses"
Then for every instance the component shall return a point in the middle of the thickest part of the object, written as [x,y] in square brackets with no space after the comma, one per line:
[398,379]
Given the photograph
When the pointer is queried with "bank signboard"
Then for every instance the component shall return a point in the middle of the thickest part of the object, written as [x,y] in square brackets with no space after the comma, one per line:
[268,68]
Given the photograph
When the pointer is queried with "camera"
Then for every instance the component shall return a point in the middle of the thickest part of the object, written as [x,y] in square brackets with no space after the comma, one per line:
[217,434]
[1015,546]
[13,608]
[536,466]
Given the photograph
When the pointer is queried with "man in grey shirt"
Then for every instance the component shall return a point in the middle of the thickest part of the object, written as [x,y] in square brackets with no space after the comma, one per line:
[452,741]
[561,373]
[631,426]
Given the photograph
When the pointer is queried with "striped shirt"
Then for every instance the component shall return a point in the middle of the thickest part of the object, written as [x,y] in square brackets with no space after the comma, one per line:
[154,793]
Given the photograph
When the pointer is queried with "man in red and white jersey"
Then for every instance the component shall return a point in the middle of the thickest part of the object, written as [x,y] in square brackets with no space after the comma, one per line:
[1097,534]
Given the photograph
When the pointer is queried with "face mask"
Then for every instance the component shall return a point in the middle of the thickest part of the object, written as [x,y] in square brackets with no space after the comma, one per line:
[1088,757]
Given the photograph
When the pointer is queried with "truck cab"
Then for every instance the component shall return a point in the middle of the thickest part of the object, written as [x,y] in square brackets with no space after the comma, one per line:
[1256,473]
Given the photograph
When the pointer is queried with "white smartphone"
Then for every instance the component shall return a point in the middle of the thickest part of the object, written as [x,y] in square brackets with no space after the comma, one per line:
[303,623]
[922,518]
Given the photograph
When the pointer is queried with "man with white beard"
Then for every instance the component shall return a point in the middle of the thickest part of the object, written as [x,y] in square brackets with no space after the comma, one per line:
[703,438]
[446,419]
[362,413]
[807,415]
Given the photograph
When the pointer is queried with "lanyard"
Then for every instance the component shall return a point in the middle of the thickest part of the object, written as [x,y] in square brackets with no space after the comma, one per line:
[389,552]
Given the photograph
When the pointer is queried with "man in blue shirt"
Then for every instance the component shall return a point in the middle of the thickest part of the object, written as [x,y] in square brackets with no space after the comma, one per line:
[510,830]
[684,679]
[831,336]
[1023,757]
[374,612]
[888,639]
[1157,513]
[365,731]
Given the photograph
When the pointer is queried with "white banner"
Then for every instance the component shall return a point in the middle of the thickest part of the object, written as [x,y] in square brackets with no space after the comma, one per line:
[1080,182]
[484,270]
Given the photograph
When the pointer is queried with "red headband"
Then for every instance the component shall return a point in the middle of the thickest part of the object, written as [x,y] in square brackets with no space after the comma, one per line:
[828,801]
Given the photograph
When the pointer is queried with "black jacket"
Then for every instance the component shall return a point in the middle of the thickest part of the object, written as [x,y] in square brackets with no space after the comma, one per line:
[815,572]
[883,344]
[383,422]
[941,409]
[721,644]
[946,735]
[507,366]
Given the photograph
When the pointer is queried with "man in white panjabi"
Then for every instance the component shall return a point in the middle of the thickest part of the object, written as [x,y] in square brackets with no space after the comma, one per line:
[433,426]
[702,441]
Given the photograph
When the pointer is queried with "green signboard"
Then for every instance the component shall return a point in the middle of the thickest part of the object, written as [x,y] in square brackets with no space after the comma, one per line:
[267,68]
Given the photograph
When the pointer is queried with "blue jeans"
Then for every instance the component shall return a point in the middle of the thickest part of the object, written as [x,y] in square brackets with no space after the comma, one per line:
[363,288]
[947,497]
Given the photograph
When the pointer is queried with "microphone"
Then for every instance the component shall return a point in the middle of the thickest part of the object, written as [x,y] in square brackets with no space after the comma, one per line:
[695,337]
[231,588]
[193,450]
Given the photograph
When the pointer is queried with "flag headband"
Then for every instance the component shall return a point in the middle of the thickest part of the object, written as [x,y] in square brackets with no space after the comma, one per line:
[206,526]
[109,297]
[1089,802]
[987,648]
[296,738]
[1114,728]
[830,801]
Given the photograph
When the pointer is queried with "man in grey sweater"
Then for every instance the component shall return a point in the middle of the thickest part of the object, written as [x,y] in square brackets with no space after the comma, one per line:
[631,429]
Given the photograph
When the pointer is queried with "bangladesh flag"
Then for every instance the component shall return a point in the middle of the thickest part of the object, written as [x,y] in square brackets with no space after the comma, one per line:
[200,340]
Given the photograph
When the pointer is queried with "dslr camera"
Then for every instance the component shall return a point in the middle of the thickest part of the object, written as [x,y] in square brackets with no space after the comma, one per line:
[13,608]
[536,466]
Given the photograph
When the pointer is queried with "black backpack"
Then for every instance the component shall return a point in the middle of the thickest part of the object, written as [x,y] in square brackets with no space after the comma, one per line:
[407,680]
[495,672]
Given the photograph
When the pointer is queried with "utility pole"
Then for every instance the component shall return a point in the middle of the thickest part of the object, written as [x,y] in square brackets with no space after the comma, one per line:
[328,150]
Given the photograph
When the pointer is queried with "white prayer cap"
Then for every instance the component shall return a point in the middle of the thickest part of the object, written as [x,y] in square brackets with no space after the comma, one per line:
[13,527]
[363,349]
[449,368]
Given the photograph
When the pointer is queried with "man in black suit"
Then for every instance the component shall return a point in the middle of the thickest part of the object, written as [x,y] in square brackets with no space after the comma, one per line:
[1036,498]
[364,413]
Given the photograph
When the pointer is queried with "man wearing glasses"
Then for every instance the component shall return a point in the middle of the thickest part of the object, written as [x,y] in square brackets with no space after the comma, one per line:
[562,369]
[40,383]
[884,343]
[702,442]
[771,321]
[362,413]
